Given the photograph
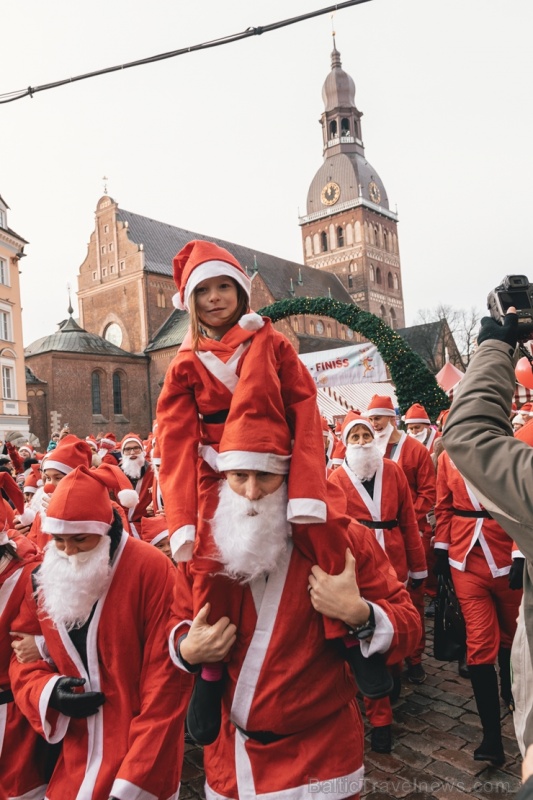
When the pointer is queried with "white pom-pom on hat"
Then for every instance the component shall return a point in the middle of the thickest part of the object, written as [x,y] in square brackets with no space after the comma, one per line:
[128,498]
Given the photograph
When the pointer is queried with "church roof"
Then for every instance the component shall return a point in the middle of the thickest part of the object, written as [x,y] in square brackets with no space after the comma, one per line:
[161,242]
[171,333]
[71,338]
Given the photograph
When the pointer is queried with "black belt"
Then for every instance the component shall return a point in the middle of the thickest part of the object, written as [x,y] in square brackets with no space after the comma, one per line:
[462,512]
[6,697]
[264,737]
[386,524]
[217,418]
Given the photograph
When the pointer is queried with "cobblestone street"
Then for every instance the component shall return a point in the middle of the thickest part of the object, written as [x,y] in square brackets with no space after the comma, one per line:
[435,730]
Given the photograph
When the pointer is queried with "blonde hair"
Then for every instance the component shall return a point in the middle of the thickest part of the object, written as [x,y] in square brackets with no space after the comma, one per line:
[243,304]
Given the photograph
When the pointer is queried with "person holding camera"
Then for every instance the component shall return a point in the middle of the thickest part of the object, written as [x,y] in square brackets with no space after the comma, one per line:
[498,468]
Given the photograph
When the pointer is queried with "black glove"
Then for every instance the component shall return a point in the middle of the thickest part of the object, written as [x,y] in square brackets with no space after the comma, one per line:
[516,574]
[416,582]
[508,332]
[442,564]
[72,704]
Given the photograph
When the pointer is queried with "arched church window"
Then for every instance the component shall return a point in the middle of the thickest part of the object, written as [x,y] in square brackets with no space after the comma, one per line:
[376,235]
[372,274]
[117,393]
[390,284]
[378,274]
[333,129]
[350,282]
[383,312]
[385,241]
[324,241]
[395,281]
[392,318]
[345,126]
[161,300]
[95,393]
[340,237]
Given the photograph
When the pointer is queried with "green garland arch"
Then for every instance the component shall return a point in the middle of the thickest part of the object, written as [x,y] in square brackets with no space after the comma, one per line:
[413,381]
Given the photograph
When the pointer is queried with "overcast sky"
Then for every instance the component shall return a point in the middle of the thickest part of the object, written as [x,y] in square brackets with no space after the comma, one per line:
[226,142]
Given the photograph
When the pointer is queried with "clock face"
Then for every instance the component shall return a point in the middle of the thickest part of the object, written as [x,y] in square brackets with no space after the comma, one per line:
[330,193]
[373,191]
[113,334]
[349,333]
[319,327]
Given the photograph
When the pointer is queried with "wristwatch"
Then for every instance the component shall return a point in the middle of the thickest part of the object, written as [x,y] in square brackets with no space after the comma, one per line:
[366,630]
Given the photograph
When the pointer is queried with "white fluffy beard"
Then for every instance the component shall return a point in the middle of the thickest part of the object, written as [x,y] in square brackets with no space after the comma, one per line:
[420,437]
[381,438]
[364,460]
[69,586]
[251,536]
[132,467]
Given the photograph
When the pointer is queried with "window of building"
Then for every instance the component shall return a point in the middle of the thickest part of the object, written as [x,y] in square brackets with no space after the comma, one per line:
[350,282]
[3,222]
[5,326]
[117,393]
[8,383]
[383,312]
[4,272]
[333,129]
[395,282]
[112,268]
[161,299]
[376,235]
[324,241]
[111,247]
[385,241]
[295,324]
[102,249]
[95,393]
[390,283]
[104,272]
[328,331]
[392,318]
[94,276]
[345,126]
[378,275]
[311,327]
[340,237]
[372,274]
[122,265]
[106,228]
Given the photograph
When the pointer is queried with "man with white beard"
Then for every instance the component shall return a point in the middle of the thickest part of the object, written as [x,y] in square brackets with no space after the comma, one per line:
[107,689]
[418,425]
[418,467]
[377,495]
[137,468]
[288,692]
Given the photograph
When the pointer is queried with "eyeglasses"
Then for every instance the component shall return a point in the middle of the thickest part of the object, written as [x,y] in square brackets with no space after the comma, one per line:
[130,450]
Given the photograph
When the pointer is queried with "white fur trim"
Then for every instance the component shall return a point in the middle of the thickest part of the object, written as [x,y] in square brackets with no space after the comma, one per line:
[351,425]
[51,464]
[244,459]
[416,575]
[215,269]
[378,412]
[126,790]
[181,543]
[4,538]
[416,420]
[63,526]
[176,302]
[172,639]
[159,537]
[29,489]
[251,322]
[381,639]
[128,498]
[131,439]
[103,440]
[27,516]
[306,511]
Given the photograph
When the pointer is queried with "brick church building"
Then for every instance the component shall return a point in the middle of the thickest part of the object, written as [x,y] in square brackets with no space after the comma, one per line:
[104,371]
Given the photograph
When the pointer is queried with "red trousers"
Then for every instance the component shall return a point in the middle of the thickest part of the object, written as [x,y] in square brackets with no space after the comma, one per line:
[378,712]
[417,598]
[489,606]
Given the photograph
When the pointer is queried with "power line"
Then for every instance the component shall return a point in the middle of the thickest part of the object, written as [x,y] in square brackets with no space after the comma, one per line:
[10,97]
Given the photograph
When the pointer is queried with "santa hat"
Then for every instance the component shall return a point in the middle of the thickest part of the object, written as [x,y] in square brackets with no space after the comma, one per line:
[119,484]
[443,416]
[527,408]
[380,406]
[91,441]
[258,443]
[154,529]
[33,480]
[108,442]
[131,437]
[417,414]
[71,452]
[200,260]
[519,419]
[12,490]
[80,504]
[350,421]
[28,448]
[155,456]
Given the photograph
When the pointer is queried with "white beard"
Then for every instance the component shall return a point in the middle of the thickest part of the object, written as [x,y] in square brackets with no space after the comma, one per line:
[70,585]
[381,438]
[132,467]
[363,460]
[420,437]
[251,536]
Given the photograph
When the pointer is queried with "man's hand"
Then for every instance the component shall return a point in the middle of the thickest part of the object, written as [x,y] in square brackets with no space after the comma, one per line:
[205,643]
[20,528]
[508,332]
[416,583]
[338,596]
[24,647]
[68,701]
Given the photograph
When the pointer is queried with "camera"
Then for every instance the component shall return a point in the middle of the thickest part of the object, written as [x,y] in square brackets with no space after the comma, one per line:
[517,291]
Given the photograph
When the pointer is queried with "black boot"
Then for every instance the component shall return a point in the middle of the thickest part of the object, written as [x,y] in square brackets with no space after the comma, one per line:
[485,686]
[204,712]
[462,667]
[504,662]
[371,674]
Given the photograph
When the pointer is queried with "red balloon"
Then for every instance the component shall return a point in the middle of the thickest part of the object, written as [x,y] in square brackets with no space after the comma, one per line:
[524,373]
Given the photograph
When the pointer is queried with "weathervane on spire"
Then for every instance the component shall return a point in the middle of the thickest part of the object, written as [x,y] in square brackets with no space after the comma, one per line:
[105,184]
[333,29]
[69,309]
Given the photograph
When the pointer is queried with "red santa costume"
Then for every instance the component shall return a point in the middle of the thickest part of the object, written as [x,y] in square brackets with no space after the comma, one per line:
[15,495]
[198,397]
[157,497]
[481,555]
[418,467]
[141,477]
[271,743]
[22,751]
[131,747]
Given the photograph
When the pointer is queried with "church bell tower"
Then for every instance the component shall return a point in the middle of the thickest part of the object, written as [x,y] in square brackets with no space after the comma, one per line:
[348,228]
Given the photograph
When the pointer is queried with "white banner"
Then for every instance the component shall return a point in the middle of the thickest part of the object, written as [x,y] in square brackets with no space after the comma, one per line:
[359,363]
